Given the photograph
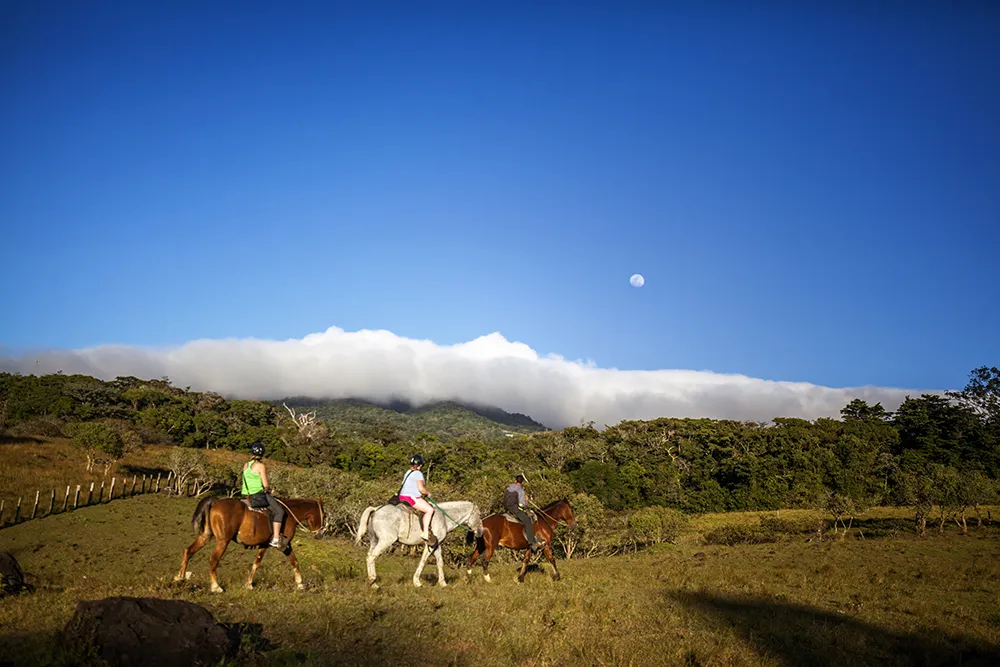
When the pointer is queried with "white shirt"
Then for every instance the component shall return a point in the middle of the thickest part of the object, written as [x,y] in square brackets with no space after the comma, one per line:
[410,488]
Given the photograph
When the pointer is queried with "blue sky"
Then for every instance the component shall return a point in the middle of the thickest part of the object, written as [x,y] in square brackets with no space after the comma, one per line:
[811,194]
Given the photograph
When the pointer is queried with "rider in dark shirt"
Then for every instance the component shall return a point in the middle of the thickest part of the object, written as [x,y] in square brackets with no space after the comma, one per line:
[515,501]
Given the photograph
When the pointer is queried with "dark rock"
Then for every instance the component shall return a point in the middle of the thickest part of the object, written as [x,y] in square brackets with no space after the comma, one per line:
[11,576]
[146,631]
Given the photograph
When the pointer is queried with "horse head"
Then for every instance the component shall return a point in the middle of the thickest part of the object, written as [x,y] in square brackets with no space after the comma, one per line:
[560,510]
[476,521]
[320,529]
[308,513]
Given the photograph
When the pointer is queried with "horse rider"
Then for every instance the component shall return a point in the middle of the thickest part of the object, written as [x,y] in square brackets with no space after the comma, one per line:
[515,501]
[414,491]
[257,488]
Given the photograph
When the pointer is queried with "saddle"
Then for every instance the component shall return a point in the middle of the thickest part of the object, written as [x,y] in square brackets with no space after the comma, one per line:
[259,510]
[513,519]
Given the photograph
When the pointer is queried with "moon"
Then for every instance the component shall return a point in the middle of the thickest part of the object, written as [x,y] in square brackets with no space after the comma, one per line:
[637,280]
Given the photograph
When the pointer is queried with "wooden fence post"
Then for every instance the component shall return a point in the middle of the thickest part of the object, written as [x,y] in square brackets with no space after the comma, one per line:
[142,489]
[52,502]
[157,482]
[132,490]
[111,494]
[90,494]
[34,510]
[2,503]
[100,496]
[17,510]
[76,498]
[66,499]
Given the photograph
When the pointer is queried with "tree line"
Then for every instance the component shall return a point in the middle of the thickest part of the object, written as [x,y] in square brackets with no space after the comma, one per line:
[933,451]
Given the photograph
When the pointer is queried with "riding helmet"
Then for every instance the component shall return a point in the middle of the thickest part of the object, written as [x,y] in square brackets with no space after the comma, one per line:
[416,460]
[257,449]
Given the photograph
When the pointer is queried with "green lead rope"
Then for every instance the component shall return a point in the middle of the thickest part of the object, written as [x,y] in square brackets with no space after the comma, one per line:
[462,526]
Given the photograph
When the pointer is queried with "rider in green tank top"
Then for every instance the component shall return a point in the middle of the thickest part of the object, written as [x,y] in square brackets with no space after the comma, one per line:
[252,481]
[255,481]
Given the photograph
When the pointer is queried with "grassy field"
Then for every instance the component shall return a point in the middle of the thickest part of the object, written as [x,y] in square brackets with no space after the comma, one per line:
[890,601]
[880,596]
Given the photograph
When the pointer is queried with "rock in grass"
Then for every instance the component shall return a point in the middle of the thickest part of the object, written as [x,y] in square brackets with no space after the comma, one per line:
[11,576]
[145,631]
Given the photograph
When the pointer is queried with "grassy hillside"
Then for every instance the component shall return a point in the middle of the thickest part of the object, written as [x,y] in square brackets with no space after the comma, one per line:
[899,601]
[400,420]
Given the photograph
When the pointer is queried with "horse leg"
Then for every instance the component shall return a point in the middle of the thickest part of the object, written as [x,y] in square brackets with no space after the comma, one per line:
[186,555]
[524,568]
[213,563]
[548,554]
[486,562]
[472,559]
[253,568]
[375,549]
[295,565]
[420,566]
[440,563]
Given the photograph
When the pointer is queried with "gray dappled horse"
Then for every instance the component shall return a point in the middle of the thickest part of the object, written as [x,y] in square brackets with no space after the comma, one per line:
[400,523]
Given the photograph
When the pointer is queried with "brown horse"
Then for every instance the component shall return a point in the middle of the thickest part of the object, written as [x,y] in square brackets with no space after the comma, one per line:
[229,519]
[498,531]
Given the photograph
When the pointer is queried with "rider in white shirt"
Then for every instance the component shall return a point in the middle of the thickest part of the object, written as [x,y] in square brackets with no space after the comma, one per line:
[413,493]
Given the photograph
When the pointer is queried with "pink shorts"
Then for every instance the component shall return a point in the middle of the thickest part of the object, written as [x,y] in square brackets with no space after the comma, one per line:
[408,500]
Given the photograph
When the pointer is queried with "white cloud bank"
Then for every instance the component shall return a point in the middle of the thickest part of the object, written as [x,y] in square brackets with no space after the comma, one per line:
[489,370]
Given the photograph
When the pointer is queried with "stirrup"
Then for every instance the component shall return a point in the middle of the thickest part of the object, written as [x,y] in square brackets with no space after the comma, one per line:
[275,543]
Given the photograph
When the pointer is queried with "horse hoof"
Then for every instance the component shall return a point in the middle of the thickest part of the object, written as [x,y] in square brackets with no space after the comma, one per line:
[187,575]
[442,584]
[487,578]
[218,589]
[300,587]
[418,583]
[469,571]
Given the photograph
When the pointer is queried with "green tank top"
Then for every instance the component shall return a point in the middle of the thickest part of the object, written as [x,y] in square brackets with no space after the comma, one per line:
[251,481]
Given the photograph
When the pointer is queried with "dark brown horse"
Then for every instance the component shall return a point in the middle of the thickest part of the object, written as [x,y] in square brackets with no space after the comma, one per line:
[498,531]
[229,519]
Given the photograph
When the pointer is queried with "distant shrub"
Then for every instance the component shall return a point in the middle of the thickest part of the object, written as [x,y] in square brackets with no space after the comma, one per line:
[46,426]
[655,525]
[732,534]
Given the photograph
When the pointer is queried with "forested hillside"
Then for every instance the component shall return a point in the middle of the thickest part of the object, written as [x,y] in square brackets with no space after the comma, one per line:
[444,420]
[940,451]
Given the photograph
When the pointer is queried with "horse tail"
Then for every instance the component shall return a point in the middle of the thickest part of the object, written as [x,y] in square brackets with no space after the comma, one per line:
[199,520]
[363,524]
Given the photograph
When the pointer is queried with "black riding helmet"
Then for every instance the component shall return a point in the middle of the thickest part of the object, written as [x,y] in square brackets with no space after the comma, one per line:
[257,449]
[416,460]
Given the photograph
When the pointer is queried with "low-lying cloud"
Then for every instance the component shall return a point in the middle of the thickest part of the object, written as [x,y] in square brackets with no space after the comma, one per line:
[490,370]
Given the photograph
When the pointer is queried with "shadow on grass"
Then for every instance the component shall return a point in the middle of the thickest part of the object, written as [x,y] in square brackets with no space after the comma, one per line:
[794,634]
[6,439]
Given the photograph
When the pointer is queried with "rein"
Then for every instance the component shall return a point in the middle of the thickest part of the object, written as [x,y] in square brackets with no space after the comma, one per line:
[546,514]
[314,532]
[459,524]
